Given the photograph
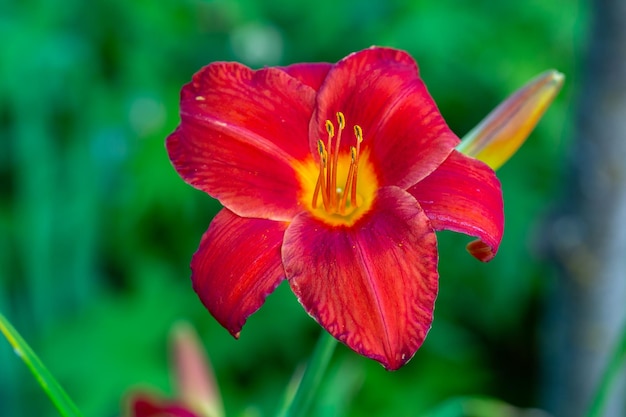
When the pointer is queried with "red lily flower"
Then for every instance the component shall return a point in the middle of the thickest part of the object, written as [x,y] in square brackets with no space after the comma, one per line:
[335,177]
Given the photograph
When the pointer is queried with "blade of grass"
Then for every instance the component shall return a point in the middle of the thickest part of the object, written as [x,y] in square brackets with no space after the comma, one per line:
[52,388]
[299,403]
[611,373]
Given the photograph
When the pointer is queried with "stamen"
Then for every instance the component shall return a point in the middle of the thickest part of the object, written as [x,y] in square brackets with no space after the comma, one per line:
[330,129]
[358,132]
[349,183]
[334,199]
[320,185]
[341,120]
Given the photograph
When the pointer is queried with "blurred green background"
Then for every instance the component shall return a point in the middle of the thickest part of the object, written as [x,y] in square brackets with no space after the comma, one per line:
[97,230]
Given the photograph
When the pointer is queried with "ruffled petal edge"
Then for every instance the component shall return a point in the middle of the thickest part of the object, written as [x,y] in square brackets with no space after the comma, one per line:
[464,195]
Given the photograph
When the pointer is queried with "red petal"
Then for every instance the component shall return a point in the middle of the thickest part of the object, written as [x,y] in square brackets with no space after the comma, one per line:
[240,132]
[311,74]
[237,266]
[464,195]
[380,90]
[373,285]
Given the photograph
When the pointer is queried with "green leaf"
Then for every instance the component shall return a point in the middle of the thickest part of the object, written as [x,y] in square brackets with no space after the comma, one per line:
[299,402]
[58,396]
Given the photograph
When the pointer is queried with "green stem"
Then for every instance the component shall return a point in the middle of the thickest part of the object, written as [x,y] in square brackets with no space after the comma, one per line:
[58,396]
[301,401]
[616,362]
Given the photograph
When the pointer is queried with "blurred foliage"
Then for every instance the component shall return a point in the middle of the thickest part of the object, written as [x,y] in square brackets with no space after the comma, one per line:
[97,230]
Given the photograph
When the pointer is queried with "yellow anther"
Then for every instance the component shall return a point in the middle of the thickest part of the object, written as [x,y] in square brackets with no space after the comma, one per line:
[358,132]
[341,120]
[321,149]
[330,128]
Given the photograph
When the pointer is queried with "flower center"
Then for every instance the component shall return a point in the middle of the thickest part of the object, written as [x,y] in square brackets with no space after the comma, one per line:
[334,196]
[345,183]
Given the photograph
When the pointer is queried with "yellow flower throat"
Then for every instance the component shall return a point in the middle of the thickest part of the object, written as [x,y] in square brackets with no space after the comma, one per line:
[345,183]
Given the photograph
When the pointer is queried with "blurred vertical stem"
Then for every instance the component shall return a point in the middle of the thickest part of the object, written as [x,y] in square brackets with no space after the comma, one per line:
[298,405]
[616,363]
[585,238]
[55,392]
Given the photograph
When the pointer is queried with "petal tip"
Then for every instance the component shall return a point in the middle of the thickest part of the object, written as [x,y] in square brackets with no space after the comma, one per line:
[555,76]
[398,361]
[480,250]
